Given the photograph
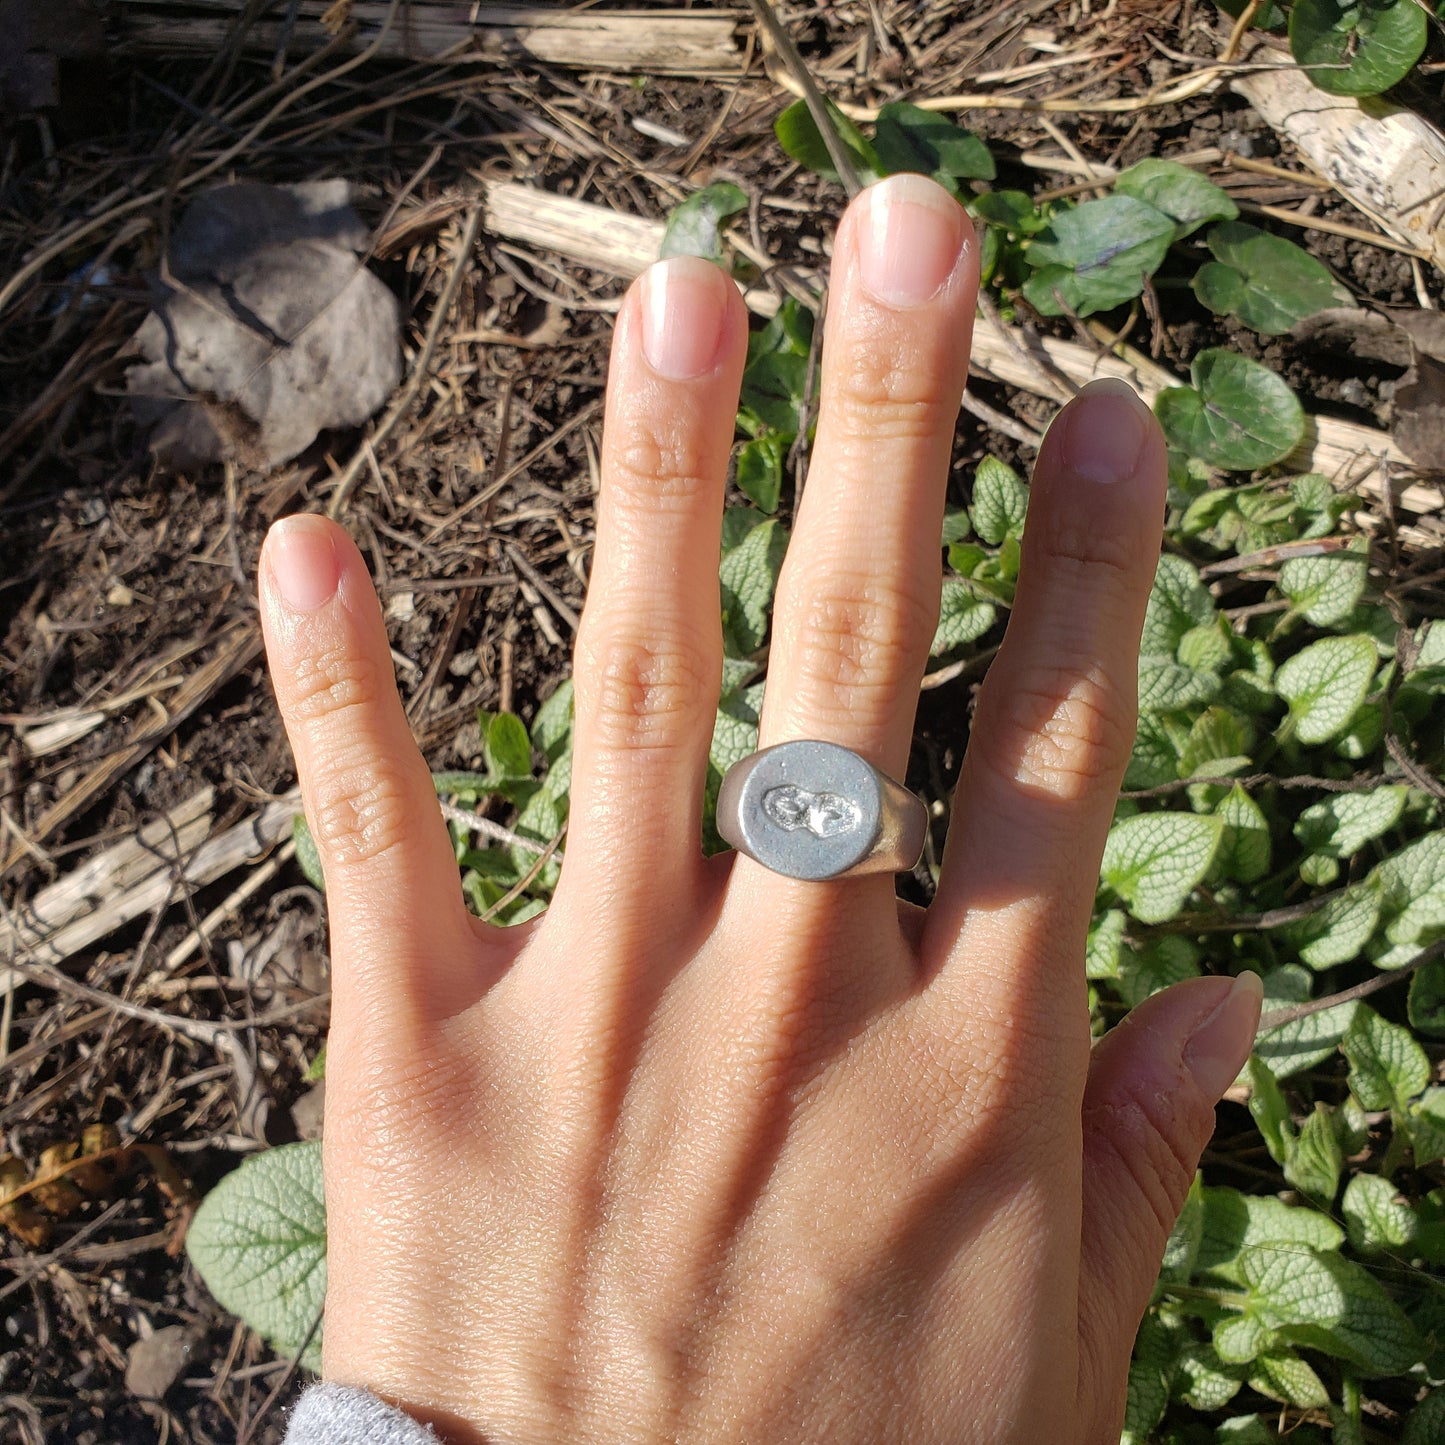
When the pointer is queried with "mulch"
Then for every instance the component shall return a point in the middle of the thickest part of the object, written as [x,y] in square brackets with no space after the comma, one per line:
[132,695]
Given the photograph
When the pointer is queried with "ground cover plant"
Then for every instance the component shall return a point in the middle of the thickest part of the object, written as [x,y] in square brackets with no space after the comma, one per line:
[1281,812]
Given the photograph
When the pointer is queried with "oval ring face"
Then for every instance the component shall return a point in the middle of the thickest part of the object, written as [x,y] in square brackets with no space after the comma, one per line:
[809,810]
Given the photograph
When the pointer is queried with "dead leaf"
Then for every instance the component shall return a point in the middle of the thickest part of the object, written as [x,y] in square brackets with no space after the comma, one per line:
[270,328]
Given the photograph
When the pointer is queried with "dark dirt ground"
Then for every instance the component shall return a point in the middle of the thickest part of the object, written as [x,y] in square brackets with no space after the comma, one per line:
[119,581]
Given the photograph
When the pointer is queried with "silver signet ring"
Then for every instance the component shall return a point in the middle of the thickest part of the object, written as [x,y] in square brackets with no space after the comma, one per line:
[815,810]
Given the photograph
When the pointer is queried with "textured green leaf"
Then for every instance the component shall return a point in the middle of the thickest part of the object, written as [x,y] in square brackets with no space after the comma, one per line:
[1244,846]
[1154,758]
[1102,952]
[1287,1378]
[1208,1383]
[1315,1161]
[1181,1252]
[506,746]
[748,577]
[1155,965]
[1387,1066]
[1185,196]
[1325,683]
[1376,1217]
[1154,861]
[760,469]
[1337,931]
[1242,1338]
[1357,49]
[1326,1302]
[695,227]
[552,727]
[776,373]
[734,737]
[1169,686]
[259,1242]
[1238,414]
[1324,589]
[1245,1429]
[1218,744]
[963,617]
[1343,823]
[1305,1041]
[1097,255]
[1269,283]
[1427,998]
[1178,602]
[1149,1373]
[1235,1222]
[1269,1110]
[1412,890]
[909,138]
[1426,1425]
[1000,501]
[1426,1120]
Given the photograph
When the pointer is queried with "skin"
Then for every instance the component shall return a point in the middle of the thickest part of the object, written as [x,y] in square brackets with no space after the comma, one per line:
[705,1154]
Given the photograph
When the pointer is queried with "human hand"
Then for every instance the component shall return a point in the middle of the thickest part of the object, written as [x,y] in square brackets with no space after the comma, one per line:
[706,1154]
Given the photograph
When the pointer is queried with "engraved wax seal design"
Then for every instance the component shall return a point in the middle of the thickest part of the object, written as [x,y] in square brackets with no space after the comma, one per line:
[824,815]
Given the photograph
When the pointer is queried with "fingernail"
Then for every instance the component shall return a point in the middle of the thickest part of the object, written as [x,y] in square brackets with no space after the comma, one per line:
[1220,1045]
[910,233]
[1103,432]
[304,566]
[684,301]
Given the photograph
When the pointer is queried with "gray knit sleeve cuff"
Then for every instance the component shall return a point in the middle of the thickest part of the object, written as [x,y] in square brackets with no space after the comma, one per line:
[345,1415]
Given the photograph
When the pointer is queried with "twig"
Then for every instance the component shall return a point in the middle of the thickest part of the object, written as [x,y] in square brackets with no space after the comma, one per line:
[497,832]
[548,854]
[1283,1016]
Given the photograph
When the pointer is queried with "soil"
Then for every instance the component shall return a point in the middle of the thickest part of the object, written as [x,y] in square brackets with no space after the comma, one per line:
[119,582]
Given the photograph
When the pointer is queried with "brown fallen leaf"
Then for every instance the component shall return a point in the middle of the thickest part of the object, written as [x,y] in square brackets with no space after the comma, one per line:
[74,1171]
[269,328]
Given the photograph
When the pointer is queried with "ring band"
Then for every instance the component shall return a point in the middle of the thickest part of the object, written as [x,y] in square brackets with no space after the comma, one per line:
[815,811]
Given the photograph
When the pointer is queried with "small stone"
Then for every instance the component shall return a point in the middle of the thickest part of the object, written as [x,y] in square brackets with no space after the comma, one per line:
[120,595]
[154,1364]
[307,1112]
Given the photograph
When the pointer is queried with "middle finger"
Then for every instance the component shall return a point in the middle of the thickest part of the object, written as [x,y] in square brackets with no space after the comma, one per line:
[857,603]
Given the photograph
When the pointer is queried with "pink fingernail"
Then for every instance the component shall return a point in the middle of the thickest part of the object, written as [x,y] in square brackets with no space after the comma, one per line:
[301,553]
[1103,431]
[910,233]
[684,301]
[1220,1045]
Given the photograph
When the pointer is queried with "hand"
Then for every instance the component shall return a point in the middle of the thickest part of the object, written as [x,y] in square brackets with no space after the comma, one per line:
[705,1154]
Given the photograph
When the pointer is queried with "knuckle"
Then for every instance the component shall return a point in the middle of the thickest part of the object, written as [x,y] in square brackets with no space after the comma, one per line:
[640,693]
[860,637]
[889,398]
[1079,554]
[1061,730]
[333,684]
[654,468]
[358,806]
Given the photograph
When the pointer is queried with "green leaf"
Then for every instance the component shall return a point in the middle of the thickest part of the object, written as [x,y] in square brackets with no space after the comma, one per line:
[259,1242]
[1154,861]
[1427,998]
[1178,602]
[505,746]
[1000,501]
[1268,17]
[1376,1217]
[1287,1378]
[1209,1383]
[1181,1252]
[1344,822]
[1096,256]
[1169,686]
[963,617]
[1269,1110]
[694,227]
[1235,1222]
[760,469]
[734,737]
[1326,1302]
[1218,745]
[1103,949]
[1269,283]
[1240,1339]
[307,854]
[1387,1066]
[1305,1041]
[1412,890]
[1315,1161]
[748,576]
[1325,683]
[1426,1425]
[909,138]
[1357,49]
[1149,1373]
[1154,966]
[1426,1121]
[1338,930]
[799,137]
[1155,756]
[776,373]
[1012,211]
[1185,196]
[1325,589]
[1244,846]
[1238,414]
